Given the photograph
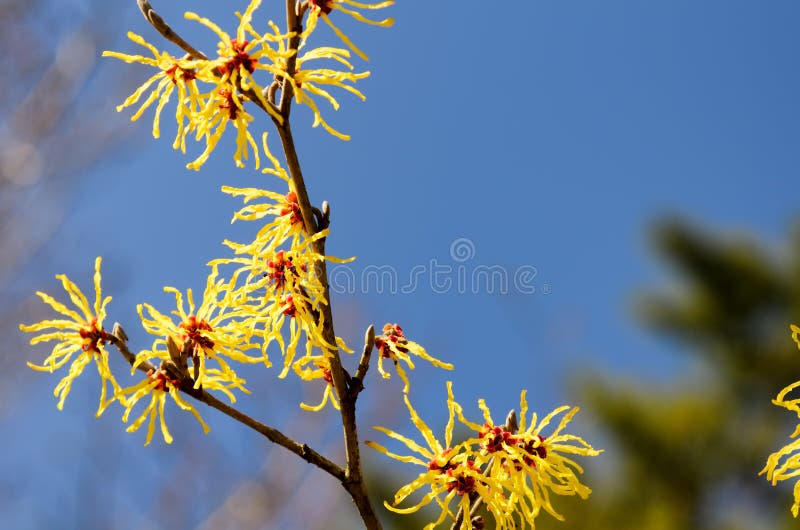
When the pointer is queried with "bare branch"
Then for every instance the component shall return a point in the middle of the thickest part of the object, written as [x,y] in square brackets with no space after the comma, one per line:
[357,384]
[275,436]
[118,338]
[167,32]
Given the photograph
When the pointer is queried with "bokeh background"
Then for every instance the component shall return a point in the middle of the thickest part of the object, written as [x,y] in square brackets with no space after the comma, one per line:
[640,157]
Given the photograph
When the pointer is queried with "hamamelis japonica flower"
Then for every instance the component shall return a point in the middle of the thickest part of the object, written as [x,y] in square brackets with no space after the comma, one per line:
[324,8]
[157,385]
[223,106]
[784,464]
[450,472]
[394,345]
[286,224]
[514,473]
[531,462]
[237,61]
[316,368]
[207,112]
[309,81]
[238,58]
[81,333]
[279,290]
[208,334]
[174,74]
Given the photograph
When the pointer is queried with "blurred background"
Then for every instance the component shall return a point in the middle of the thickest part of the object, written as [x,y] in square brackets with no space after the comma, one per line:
[637,160]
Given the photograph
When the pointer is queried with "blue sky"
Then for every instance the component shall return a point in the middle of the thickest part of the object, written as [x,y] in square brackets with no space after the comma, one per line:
[548,134]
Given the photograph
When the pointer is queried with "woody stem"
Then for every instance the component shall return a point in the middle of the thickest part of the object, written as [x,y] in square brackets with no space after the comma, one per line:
[118,338]
[354,478]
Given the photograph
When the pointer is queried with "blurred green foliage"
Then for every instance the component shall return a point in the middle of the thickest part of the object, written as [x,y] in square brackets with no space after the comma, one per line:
[685,455]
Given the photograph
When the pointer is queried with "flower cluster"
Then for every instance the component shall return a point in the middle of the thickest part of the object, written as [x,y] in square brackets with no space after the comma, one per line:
[270,296]
[270,291]
[252,66]
[514,473]
[784,464]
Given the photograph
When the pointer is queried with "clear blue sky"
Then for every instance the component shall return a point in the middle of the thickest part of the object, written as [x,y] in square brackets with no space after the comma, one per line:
[549,134]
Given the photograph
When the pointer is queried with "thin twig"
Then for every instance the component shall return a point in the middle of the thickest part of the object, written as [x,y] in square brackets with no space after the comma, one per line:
[357,384]
[118,338]
[302,450]
[167,32]
[355,480]
[354,483]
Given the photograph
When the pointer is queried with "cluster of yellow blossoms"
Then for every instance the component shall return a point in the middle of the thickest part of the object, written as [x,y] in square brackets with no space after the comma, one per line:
[270,291]
[513,470]
[212,92]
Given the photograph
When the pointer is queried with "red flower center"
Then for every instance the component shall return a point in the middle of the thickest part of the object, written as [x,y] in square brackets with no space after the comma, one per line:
[463,484]
[278,269]
[228,103]
[531,448]
[289,309]
[175,72]
[495,437]
[239,59]
[326,6]
[161,379]
[326,374]
[392,334]
[292,209]
[194,329]
[93,337]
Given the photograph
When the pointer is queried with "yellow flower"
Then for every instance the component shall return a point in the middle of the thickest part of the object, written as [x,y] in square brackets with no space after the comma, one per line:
[308,82]
[513,473]
[281,287]
[208,335]
[287,224]
[158,384]
[180,74]
[530,464]
[207,112]
[222,107]
[784,464]
[315,368]
[239,58]
[449,471]
[323,8]
[233,70]
[395,346]
[82,331]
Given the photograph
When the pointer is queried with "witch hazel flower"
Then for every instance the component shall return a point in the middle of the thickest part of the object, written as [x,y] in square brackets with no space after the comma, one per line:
[394,346]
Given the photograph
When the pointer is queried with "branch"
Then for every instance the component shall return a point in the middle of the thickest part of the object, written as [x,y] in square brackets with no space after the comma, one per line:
[167,32]
[294,24]
[354,483]
[357,383]
[119,339]
[274,435]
